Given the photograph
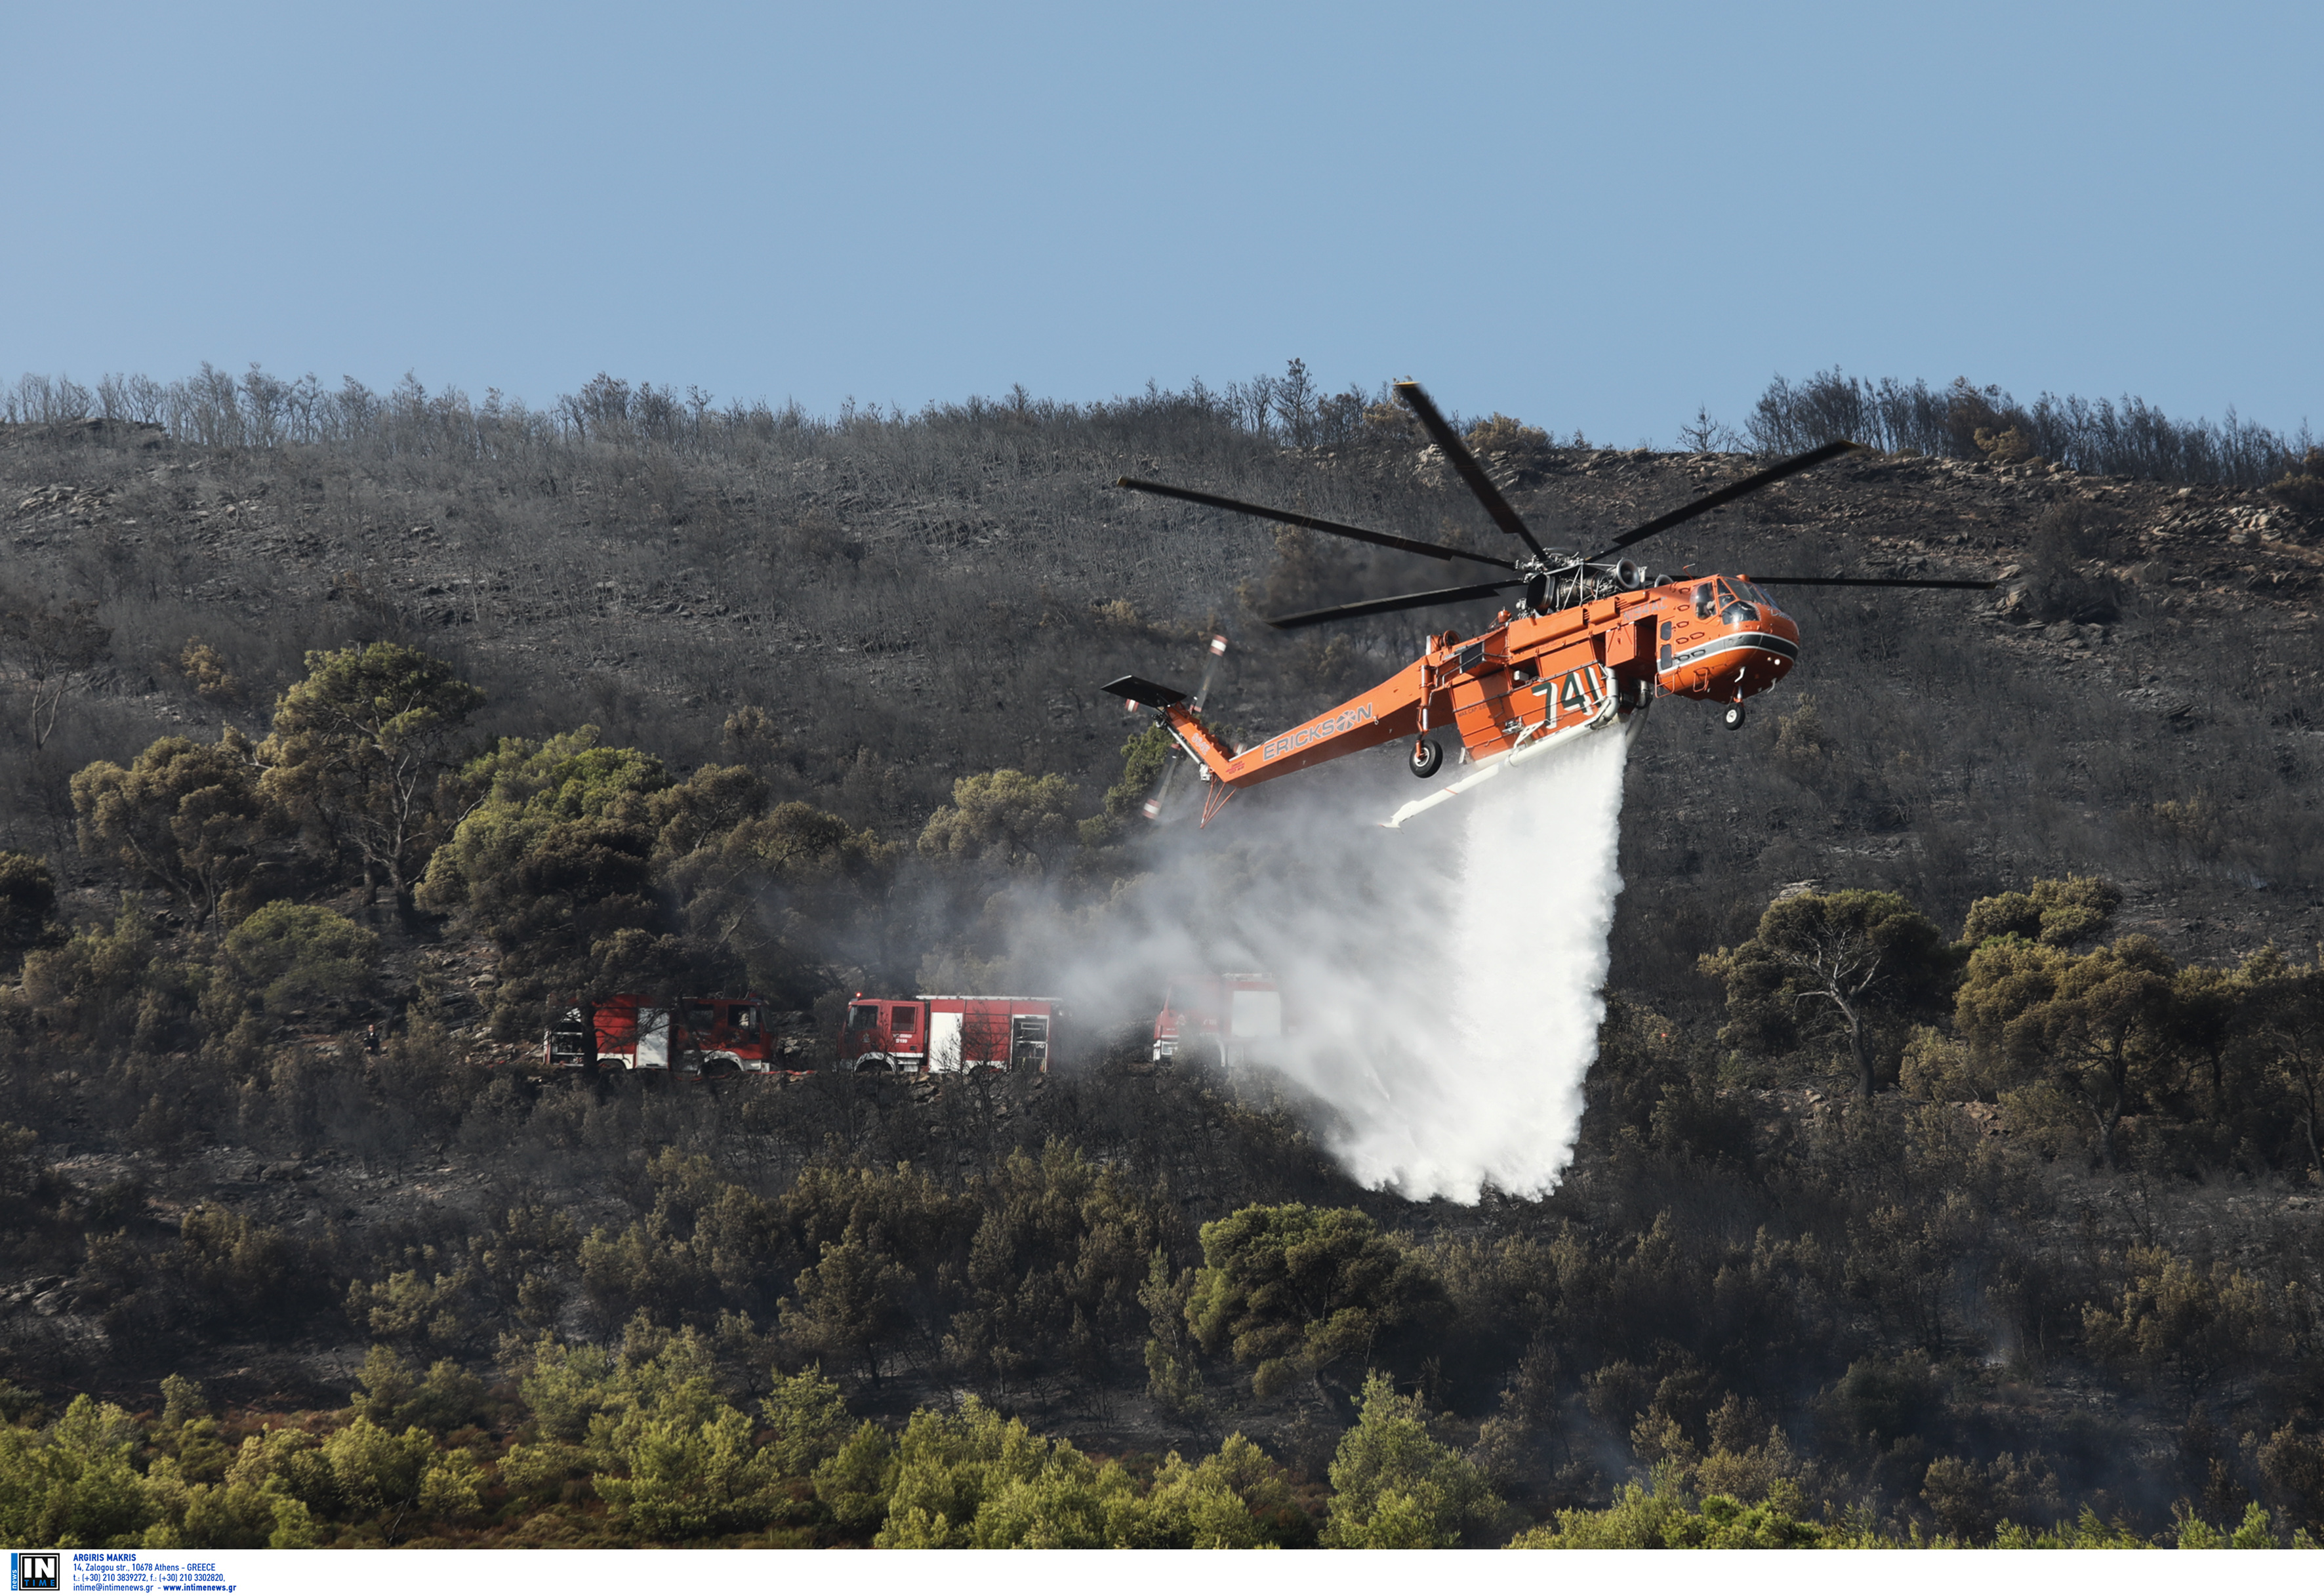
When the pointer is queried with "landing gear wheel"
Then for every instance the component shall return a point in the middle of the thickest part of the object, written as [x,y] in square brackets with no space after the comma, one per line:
[1734,717]
[1427,759]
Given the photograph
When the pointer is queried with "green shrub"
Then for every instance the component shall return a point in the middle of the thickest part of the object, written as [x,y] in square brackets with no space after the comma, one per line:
[189,816]
[1295,1290]
[2302,492]
[1395,1486]
[295,956]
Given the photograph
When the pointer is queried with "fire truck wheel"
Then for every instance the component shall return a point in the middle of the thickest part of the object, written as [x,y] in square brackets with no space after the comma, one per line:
[1734,717]
[1427,758]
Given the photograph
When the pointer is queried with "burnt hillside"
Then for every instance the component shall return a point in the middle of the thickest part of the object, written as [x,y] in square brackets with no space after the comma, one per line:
[915,599]
[2047,1239]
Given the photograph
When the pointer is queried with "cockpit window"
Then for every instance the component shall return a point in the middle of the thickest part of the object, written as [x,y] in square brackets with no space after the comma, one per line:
[1706,602]
[863,1017]
[1732,610]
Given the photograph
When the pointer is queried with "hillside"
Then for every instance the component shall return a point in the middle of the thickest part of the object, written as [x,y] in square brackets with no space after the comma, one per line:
[915,601]
[1963,1302]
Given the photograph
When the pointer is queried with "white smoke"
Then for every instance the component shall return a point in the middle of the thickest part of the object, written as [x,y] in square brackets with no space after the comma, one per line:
[1452,1025]
[1443,982]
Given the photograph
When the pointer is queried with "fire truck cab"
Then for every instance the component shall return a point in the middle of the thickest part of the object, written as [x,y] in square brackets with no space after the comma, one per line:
[685,1035]
[1218,1017]
[948,1034]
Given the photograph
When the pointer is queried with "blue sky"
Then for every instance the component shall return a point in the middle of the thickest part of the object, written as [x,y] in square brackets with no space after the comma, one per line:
[1592,217]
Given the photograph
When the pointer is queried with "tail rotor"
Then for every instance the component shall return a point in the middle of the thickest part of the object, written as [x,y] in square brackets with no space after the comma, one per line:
[1158,800]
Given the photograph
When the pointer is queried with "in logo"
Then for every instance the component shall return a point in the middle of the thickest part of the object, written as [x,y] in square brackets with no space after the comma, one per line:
[35,1571]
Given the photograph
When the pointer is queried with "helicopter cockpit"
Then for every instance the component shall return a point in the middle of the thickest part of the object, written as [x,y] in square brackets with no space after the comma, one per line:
[1735,604]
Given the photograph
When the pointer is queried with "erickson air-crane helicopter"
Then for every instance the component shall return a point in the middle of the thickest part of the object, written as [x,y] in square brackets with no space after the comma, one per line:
[1588,645]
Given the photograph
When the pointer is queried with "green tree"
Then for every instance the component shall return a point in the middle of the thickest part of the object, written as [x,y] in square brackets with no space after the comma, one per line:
[397,1394]
[77,1485]
[2293,1464]
[2087,1533]
[855,1482]
[299,955]
[1238,1497]
[809,1421]
[2054,913]
[1665,1516]
[679,1464]
[2099,1031]
[851,1303]
[554,861]
[104,982]
[705,1241]
[922,1226]
[206,671]
[1837,965]
[1003,817]
[358,749]
[1174,1375]
[781,892]
[192,816]
[2257,1533]
[954,1470]
[1295,1290]
[380,1473]
[2199,1324]
[1053,1272]
[704,808]
[562,1386]
[241,1512]
[1971,1499]
[1395,1486]
[2207,1010]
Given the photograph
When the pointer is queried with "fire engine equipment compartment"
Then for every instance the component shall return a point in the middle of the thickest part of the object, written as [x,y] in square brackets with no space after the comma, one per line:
[949,1033]
[1218,1017]
[688,1035]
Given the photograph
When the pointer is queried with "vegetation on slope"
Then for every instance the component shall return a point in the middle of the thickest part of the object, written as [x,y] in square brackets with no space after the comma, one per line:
[2016,1228]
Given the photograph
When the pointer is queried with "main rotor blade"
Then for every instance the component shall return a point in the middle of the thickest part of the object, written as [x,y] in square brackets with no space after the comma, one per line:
[1730,492]
[1465,462]
[1385,606]
[1313,523]
[1867,582]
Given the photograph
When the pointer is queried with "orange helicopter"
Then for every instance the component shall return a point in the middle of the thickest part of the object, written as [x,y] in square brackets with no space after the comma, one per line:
[1588,645]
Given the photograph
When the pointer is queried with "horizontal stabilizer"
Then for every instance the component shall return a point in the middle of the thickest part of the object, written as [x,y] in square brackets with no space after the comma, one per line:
[1138,690]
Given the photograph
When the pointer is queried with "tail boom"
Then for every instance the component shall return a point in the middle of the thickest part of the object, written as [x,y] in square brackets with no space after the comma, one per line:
[1384,714]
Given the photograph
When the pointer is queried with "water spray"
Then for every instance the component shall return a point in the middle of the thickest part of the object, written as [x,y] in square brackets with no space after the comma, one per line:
[1452,1040]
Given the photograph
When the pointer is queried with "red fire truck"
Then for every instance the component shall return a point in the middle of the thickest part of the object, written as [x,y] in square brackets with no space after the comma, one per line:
[948,1034]
[685,1035]
[1218,1017]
